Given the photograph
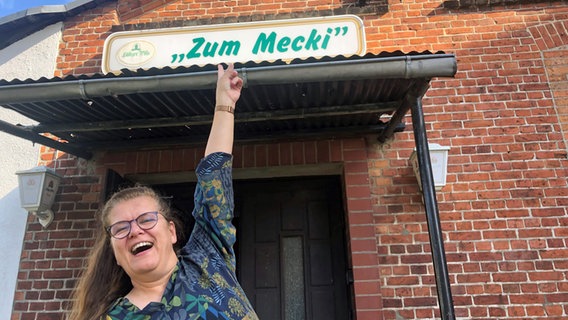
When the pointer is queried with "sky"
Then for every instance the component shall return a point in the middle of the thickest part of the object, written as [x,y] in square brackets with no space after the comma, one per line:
[11,6]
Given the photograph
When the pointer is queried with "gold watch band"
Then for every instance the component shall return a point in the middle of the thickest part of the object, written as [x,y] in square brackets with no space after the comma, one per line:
[229,109]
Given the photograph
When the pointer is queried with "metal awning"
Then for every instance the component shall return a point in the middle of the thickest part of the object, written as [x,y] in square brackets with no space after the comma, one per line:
[328,97]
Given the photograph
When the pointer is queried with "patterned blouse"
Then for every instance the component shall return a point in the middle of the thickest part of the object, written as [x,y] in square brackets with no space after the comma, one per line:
[203,284]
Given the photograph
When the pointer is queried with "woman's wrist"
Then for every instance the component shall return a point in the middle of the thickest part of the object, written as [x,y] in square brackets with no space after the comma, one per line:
[225,108]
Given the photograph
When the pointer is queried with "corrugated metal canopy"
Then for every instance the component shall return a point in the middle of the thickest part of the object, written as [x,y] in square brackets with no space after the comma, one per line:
[328,97]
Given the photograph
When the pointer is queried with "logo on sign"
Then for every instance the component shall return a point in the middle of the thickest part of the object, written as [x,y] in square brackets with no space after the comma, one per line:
[136,53]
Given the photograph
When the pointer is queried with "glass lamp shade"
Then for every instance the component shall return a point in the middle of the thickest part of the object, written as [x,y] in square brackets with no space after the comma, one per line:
[38,187]
[439,162]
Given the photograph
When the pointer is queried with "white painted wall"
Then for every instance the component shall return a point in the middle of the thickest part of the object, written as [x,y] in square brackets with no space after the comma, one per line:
[33,57]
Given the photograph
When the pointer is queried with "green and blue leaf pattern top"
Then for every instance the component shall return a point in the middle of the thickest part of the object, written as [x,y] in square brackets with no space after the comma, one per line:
[204,284]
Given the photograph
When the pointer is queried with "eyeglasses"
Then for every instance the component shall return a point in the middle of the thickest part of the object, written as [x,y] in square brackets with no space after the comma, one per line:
[121,229]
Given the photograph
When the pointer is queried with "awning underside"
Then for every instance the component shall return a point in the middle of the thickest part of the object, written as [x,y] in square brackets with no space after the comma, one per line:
[159,107]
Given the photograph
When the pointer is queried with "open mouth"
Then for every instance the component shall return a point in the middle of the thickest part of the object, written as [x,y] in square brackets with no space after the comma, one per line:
[141,247]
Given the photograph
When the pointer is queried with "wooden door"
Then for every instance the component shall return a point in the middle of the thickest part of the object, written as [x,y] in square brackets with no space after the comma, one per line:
[291,248]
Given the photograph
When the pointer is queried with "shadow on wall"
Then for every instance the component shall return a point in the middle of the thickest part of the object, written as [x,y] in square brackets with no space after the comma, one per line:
[12,229]
[39,49]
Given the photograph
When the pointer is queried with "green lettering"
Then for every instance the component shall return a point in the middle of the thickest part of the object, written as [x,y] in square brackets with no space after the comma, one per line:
[264,43]
[230,48]
[210,49]
[326,38]
[297,43]
[313,40]
[198,42]
[283,44]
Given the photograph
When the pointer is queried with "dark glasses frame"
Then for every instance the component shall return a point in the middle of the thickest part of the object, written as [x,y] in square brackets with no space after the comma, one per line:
[145,221]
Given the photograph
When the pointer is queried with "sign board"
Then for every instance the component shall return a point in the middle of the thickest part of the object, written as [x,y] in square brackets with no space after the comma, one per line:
[234,42]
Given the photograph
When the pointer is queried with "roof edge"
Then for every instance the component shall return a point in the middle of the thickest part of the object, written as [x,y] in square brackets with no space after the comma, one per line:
[401,67]
[45,9]
[19,25]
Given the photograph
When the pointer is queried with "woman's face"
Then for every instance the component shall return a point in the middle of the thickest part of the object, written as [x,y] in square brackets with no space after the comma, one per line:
[143,254]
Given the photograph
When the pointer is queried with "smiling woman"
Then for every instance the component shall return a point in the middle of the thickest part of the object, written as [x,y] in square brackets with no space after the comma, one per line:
[134,270]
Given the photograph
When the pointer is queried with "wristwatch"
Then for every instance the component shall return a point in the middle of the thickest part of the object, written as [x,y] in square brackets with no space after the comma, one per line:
[229,109]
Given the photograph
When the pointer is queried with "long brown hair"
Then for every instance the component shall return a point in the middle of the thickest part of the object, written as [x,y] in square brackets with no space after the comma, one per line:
[104,281]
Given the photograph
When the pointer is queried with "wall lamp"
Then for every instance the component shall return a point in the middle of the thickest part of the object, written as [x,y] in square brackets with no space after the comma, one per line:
[439,162]
[38,187]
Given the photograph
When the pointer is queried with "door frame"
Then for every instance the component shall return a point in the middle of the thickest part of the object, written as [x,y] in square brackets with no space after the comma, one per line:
[291,171]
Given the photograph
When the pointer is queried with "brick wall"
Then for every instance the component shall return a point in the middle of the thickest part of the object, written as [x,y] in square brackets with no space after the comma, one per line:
[505,116]
[53,256]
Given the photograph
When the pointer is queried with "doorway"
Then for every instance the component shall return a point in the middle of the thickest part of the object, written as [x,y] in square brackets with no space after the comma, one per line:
[291,245]
[292,257]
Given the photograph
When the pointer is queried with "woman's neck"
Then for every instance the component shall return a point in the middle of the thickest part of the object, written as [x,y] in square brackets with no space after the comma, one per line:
[146,290]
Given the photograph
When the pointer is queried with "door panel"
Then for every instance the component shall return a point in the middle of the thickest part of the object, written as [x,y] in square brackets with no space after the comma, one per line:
[266,267]
[322,302]
[321,270]
[267,303]
[291,258]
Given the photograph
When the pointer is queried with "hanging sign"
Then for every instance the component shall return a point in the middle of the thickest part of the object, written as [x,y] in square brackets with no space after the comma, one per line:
[235,42]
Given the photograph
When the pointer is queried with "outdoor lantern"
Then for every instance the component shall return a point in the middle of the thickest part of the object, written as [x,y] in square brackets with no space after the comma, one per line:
[439,161]
[38,187]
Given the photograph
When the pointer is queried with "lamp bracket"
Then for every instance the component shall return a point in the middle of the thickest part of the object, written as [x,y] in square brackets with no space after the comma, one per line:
[45,217]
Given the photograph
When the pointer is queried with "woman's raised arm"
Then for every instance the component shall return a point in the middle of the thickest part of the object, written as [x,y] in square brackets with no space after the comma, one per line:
[229,86]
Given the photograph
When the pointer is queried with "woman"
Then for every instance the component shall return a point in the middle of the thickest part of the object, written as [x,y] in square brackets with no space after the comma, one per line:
[134,272]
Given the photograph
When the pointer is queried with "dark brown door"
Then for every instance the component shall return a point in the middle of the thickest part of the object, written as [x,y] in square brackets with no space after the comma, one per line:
[291,245]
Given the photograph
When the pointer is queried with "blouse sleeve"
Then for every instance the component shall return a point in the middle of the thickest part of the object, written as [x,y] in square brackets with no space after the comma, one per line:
[214,203]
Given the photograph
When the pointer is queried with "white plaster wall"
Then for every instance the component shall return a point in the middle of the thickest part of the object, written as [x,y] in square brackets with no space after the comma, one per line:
[33,57]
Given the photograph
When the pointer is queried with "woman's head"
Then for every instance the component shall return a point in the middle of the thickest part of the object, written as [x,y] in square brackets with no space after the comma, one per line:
[132,193]
[141,231]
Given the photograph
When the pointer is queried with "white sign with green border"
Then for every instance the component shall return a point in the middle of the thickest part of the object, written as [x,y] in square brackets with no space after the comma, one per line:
[234,42]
